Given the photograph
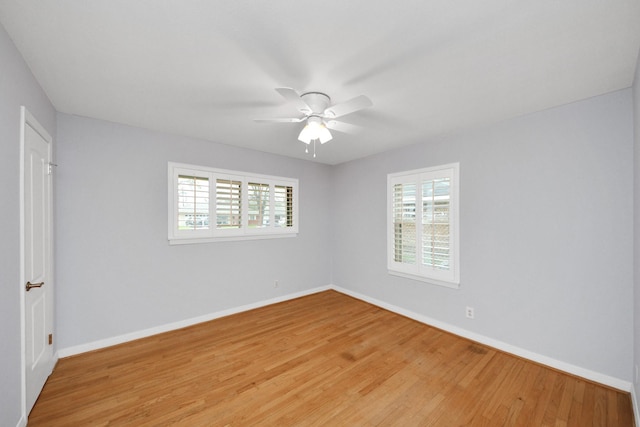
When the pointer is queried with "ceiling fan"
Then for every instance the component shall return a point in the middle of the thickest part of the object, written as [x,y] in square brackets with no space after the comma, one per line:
[319,114]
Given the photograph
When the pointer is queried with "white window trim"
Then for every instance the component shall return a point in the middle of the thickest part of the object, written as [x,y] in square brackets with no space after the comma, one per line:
[450,279]
[213,234]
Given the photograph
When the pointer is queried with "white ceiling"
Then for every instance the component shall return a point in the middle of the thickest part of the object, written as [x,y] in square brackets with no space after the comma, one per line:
[207,68]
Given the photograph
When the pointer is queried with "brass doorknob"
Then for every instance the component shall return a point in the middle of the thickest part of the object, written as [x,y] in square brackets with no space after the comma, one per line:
[33,285]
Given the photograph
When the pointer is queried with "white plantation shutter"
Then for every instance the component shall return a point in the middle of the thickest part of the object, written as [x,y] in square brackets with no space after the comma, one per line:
[283,205]
[435,223]
[423,224]
[241,205]
[193,202]
[259,201]
[228,203]
[404,223]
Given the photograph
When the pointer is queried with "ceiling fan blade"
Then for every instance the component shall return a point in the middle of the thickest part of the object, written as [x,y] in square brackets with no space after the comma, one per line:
[281,120]
[348,107]
[343,127]
[294,97]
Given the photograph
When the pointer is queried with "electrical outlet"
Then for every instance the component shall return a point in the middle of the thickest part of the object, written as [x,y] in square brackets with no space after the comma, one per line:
[276,284]
[469,312]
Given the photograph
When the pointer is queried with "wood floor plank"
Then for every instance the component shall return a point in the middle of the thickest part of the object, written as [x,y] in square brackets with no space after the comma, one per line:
[577,405]
[325,359]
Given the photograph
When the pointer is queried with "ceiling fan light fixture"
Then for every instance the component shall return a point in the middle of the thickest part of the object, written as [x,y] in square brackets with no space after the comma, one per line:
[315,130]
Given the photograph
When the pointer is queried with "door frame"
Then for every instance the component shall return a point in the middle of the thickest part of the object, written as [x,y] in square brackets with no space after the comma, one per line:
[27,119]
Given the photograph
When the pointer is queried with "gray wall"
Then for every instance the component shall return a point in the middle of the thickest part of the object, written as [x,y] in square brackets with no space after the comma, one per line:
[116,270]
[636,324]
[546,242]
[17,87]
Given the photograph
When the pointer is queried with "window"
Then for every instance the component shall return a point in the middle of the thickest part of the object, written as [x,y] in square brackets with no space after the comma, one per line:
[228,203]
[193,202]
[259,201]
[422,224]
[207,205]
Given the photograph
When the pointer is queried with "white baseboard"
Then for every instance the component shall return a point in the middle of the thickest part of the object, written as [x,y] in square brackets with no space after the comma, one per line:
[108,342]
[597,377]
[22,422]
[508,348]
[634,402]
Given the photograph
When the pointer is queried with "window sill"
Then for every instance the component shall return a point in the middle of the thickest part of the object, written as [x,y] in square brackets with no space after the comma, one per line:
[196,240]
[429,280]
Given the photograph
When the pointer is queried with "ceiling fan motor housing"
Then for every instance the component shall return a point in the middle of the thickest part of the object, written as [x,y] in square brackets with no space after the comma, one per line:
[317,101]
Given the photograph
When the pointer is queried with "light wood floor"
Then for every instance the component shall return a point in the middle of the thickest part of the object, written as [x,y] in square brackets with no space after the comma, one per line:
[321,360]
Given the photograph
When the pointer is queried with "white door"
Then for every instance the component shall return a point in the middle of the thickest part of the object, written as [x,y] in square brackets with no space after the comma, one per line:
[37,286]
